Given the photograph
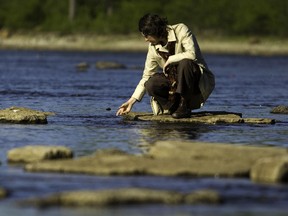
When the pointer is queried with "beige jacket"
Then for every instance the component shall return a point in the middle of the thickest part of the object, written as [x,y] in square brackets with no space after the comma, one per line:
[186,47]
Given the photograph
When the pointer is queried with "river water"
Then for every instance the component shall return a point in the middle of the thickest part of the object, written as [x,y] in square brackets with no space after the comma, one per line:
[85,103]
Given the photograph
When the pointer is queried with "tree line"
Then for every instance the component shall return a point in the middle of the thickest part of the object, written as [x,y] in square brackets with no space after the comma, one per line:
[229,17]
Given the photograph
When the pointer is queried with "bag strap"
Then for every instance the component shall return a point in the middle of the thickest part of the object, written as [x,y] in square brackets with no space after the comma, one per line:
[171,51]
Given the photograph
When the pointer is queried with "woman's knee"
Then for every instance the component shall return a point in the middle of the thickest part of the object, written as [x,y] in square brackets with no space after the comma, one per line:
[188,66]
[149,85]
[185,64]
[156,85]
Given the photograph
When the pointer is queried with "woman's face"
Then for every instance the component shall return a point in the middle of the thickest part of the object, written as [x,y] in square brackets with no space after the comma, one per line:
[152,39]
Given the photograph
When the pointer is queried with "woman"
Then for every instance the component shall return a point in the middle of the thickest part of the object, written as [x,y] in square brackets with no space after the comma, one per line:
[185,82]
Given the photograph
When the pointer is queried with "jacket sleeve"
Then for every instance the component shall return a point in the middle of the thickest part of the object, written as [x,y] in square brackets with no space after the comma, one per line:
[150,69]
[186,41]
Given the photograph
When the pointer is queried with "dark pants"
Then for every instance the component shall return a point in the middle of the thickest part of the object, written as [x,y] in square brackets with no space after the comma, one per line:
[188,76]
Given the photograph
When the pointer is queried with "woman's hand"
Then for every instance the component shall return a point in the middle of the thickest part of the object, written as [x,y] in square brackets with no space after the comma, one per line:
[126,107]
[167,66]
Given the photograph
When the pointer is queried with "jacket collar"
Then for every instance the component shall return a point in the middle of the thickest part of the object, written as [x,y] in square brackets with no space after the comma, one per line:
[171,37]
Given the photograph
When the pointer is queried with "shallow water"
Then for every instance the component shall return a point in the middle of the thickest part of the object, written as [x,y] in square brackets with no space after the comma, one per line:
[49,81]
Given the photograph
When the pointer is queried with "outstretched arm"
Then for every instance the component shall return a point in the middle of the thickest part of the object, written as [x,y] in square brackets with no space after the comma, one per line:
[126,107]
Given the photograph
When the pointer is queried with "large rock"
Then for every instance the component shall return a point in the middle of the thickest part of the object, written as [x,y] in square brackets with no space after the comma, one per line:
[214,159]
[271,169]
[21,115]
[104,162]
[200,117]
[280,110]
[168,159]
[126,196]
[28,154]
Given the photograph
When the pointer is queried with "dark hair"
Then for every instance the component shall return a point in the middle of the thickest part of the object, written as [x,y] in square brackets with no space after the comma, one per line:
[154,25]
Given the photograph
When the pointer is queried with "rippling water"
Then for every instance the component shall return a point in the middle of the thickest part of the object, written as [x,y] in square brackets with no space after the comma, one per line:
[49,81]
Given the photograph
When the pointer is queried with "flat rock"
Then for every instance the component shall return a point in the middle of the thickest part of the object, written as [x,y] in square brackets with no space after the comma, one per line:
[21,115]
[200,117]
[126,196]
[33,153]
[167,159]
[280,110]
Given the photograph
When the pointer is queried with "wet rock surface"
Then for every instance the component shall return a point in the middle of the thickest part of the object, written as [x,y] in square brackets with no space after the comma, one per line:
[33,153]
[125,196]
[169,158]
[280,109]
[200,117]
[22,115]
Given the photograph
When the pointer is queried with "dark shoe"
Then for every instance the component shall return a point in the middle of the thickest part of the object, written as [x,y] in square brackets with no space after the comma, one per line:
[175,104]
[172,104]
[183,111]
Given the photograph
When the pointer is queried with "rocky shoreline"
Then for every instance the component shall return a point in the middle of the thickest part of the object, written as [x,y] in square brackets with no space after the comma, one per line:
[85,42]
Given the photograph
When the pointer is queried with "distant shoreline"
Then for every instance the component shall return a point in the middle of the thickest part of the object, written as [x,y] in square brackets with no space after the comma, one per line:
[135,43]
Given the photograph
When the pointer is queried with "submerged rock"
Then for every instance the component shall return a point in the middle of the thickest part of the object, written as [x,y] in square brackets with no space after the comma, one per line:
[200,117]
[126,196]
[3,193]
[28,154]
[109,65]
[21,115]
[280,110]
[169,158]
[82,66]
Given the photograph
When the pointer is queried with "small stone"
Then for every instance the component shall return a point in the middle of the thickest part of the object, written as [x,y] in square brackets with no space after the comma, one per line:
[82,66]
[280,110]
[108,109]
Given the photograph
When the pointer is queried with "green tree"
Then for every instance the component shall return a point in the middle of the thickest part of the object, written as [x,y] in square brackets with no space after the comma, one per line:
[230,17]
[257,17]
[22,15]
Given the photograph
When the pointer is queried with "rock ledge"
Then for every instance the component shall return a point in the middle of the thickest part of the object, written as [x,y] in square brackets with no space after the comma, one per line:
[175,158]
[34,153]
[126,196]
[212,117]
